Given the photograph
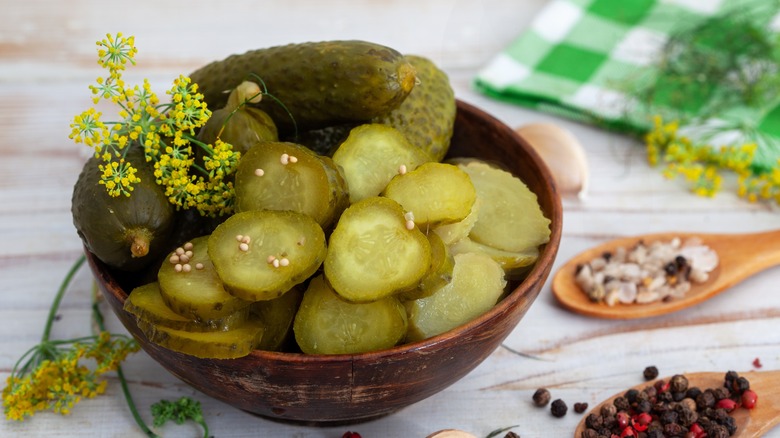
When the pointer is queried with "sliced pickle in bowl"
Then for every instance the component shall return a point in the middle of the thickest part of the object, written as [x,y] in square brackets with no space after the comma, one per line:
[477,284]
[260,255]
[277,316]
[190,286]
[236,342]
[374,253]
[146,304]
[510,217]
[372,155]
[326,324]
[436,193]
[288,176]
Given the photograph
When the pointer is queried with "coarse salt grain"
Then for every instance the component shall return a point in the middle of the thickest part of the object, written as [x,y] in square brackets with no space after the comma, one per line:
[646,273]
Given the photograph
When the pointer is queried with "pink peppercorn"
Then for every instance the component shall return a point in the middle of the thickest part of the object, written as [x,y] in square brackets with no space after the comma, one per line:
[749,399]
[349,434]
[727,404]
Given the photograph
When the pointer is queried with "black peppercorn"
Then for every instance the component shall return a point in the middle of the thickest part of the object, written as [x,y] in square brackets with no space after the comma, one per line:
[741,385]
[608,409]
[511,434]
[721,393]
[580,407]
[590,433]
[678,396]
[594,421]
[673,429]
[668,417]
[717,431]
[558,408]
[678,383]
[705,400]
[622,404]
[665,397]
[650,372]
[670,268]
[693,392]
[631,395]
[541,397]
[730,424]
[655,433]
[644,406]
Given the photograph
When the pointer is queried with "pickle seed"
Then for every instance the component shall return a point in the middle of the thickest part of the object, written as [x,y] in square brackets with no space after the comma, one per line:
[276,263]
[186,267]
[409,216]
[284,262]
[188,247]
[259,172]
[183,258]
[174,259]
[402,169]
[243,247]
[270,259]
[178,267]
[239,237]
[179,251]
[199,266]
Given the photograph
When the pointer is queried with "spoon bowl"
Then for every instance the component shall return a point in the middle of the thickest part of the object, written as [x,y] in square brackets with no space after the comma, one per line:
[740,256]
[750,422]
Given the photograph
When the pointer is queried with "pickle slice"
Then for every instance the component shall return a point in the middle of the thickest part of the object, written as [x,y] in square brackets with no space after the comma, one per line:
[439,274]
[372,254]
[510,217]
[477,284]
[260,255]
[451,233]
[372,155]
[436,193]
[288,176]
[277,316]
[510,261]
[190,286]
[230,344]
[146,303]
[326,324]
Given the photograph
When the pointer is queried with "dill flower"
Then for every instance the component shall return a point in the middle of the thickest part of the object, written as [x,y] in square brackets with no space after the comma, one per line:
[703,166]
[166,131]
[53,376]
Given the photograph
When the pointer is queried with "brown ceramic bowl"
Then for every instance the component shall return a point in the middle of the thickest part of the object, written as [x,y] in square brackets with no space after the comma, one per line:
[349,388]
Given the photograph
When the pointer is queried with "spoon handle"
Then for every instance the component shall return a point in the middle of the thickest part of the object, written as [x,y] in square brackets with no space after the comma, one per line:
[742,255]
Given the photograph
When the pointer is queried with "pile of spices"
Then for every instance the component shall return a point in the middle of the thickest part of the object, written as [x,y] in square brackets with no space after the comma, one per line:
[646,273]
[673,409]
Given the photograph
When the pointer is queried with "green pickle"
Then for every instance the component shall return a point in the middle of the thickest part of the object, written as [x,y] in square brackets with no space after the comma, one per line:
[236,342]
[427,116]
[146,304]
[438,275]
[260,255]
[191,286]
[510,218]
[319,83]
[477,284]
[288,176]
[436,193]
[238,123]
[372,155]
[511,262]
[454,232]
[277,316]
[326,324]
[373,253]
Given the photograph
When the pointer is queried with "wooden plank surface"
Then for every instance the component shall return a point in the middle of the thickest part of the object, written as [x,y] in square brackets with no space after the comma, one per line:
[47,61]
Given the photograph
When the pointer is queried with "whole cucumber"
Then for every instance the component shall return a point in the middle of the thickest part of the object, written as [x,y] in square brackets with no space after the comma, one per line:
[320,83]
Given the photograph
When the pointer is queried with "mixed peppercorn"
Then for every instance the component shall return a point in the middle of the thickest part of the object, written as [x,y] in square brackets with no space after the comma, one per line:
[673,409]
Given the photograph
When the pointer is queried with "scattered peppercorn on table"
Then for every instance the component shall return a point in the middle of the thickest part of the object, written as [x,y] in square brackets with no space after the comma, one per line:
[47,60]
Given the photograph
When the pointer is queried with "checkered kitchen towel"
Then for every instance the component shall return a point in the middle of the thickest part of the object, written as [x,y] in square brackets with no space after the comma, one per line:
[581,58]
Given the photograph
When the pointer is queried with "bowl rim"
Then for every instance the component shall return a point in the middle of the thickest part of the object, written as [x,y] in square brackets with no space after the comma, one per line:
[538,273]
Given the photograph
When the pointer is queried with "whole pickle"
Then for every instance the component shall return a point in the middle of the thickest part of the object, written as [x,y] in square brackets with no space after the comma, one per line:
[319,83]
[427,116]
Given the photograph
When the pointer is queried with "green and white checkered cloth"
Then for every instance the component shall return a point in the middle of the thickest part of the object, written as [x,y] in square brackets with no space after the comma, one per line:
[581,58]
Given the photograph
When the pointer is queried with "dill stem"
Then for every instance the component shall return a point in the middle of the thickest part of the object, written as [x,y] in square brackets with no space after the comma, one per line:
[97,317]
[55,306]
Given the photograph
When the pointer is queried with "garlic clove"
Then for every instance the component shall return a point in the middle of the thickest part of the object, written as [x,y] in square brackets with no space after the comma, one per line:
[451,433]
[562,153]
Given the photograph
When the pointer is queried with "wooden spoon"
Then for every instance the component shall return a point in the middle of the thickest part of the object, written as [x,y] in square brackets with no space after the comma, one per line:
[741,255]
[750,422]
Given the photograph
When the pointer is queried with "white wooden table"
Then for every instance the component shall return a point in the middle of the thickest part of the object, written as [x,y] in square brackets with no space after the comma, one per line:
[47,58]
